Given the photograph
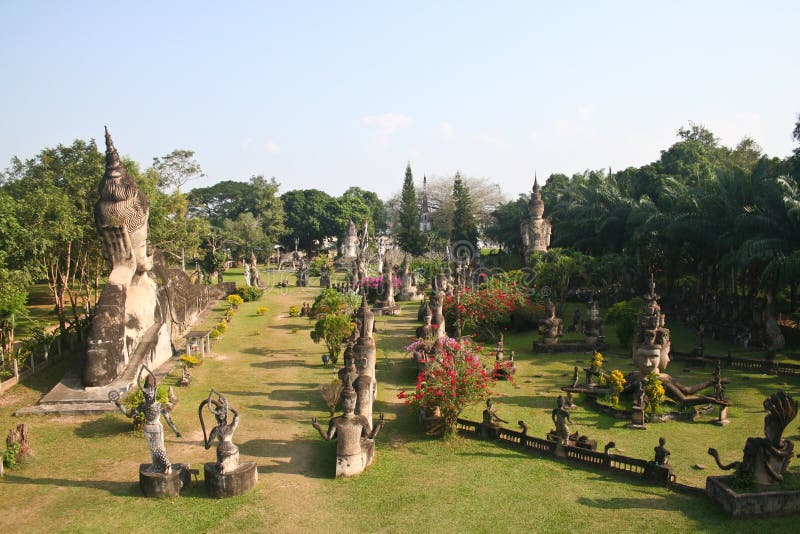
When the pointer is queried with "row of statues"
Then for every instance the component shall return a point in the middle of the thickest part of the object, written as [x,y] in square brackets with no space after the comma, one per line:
[354,430]
[161,478]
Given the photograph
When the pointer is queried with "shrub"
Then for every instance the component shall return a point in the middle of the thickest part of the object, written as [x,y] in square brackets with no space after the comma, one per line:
[262,310]
[617,381]
[453,379]
[331,301]
[597,360]
[295,330]
[10,455]
[221,326]
[623,316]
[315,266]
[249,293]
[654,390]
[191,361]
[294,311]
[214,334]
[332,329]
[331,392]
[235,301]
[135,397]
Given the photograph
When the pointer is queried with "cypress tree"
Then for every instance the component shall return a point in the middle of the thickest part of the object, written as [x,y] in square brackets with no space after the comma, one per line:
[464,226]
[409,236]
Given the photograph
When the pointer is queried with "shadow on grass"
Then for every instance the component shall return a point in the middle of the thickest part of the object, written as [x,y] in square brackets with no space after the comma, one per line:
[282,364]
[257,351]
[109,425]
[121,489]
[307,457]
[620,503]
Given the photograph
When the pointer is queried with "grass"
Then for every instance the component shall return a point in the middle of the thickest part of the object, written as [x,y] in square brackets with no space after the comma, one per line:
[83,477]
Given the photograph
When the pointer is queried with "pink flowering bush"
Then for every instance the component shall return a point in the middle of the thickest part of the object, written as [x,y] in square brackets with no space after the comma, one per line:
[453,379]
[374,286]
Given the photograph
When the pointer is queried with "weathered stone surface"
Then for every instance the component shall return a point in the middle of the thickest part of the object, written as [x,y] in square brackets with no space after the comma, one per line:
[238,481]
[757,504]
[163,485]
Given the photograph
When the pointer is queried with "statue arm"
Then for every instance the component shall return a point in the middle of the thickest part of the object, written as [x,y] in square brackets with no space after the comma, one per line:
[376,430]
[207,442]
[168,419]
[113,396]
[331,429]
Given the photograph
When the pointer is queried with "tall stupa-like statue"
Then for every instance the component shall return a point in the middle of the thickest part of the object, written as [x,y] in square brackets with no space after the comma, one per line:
[535,229]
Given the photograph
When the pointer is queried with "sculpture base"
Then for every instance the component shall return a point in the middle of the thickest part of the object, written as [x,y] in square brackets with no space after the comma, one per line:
[162,485]
[348,466]
[238,481]
[765,503]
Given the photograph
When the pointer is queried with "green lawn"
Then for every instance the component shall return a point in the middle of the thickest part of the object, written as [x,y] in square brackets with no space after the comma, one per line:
[84,474]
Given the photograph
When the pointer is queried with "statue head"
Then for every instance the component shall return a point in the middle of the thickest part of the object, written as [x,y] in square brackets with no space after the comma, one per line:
[781,410]
[348,396]
[122,204]
[149,386]
[662,442]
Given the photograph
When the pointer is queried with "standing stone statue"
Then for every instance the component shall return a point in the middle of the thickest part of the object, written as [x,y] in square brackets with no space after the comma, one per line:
[355,448]
[350,244]
[560,417]
[255,279]
[535,230]
[593,324]
[228,476]
[246,267]
[152,411]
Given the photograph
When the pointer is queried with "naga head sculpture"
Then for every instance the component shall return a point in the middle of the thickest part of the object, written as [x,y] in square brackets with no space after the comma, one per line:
[781,410]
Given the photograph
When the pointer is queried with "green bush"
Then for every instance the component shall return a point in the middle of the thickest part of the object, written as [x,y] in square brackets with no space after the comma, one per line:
[221,326]
[135,397]
[214,334]
[315,266]
[623,316]
[332,330]
[249,293]
[10,455]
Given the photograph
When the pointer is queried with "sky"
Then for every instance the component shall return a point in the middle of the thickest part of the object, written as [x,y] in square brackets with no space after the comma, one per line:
[330,95]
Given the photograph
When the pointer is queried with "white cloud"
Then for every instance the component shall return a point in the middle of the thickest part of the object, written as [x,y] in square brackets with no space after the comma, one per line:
[272,147]
[387,123]
[446,131]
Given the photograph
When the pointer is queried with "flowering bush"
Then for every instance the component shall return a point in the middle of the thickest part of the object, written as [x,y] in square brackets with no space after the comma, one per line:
[654,390]
[495,306]
[190,361]
[331,301]
[597,361]
[235,301]
[454,378]
[262,310]
[617,381]
[294,310]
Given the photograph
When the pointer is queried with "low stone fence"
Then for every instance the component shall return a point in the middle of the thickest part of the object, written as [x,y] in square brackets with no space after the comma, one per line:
[625,465]
[743,364]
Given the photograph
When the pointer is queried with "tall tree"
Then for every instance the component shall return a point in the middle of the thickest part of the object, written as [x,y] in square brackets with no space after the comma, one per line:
[464,226]
[409,235]
[176,168]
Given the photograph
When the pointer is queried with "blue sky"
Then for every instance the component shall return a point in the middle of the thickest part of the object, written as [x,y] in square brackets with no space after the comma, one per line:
[335,94]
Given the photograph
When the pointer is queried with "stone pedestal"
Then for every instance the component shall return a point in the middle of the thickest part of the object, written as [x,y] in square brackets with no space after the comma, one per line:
[240,480]
[161,485]
[637,419]
[348,466]
[722,420]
